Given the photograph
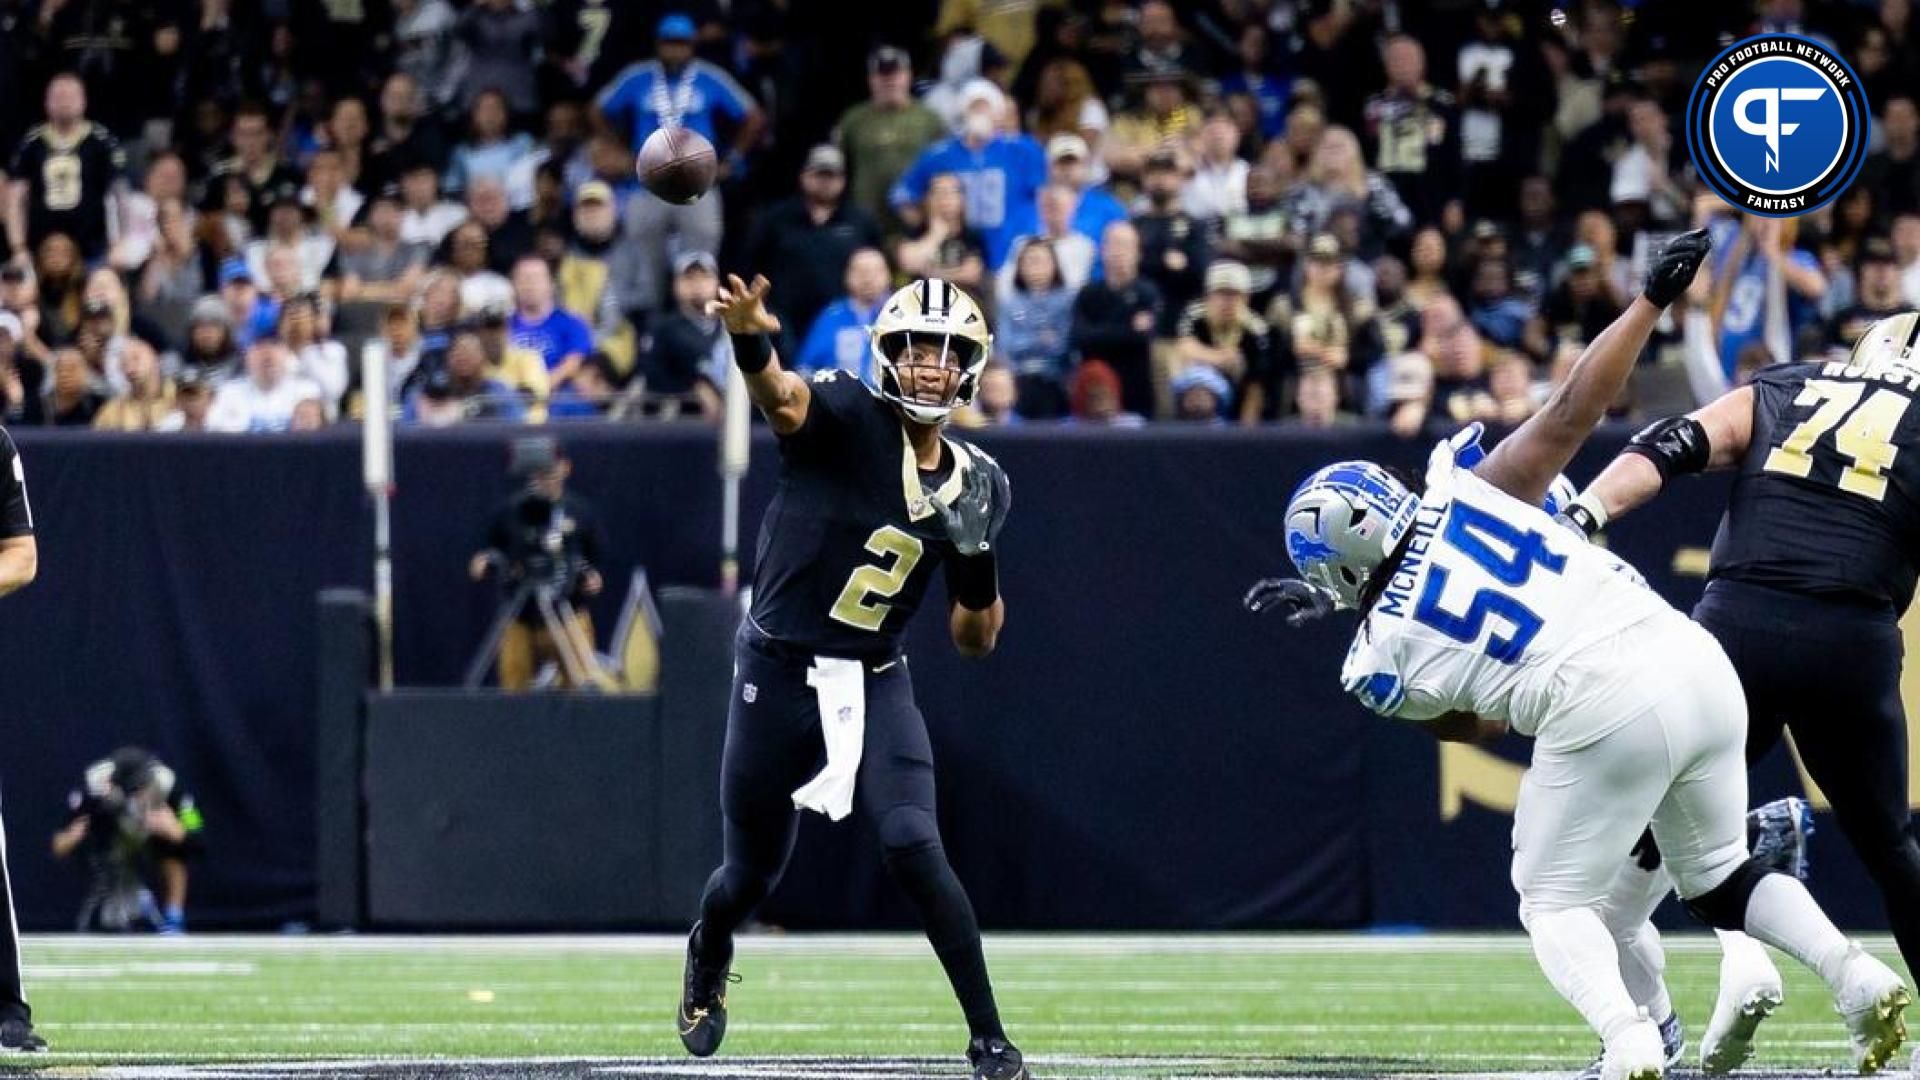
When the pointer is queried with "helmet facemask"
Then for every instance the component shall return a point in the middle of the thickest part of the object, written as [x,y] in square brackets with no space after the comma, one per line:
[929,373]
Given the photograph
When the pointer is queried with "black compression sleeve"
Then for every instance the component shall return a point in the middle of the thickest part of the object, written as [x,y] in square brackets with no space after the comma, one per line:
[1676,445]
[752,352]
[973,582]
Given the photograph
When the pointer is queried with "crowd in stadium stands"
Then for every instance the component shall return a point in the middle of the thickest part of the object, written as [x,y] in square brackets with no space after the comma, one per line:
[1312,212]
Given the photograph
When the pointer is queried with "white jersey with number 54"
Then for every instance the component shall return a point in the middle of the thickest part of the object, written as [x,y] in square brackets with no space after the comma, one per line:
[1497,610]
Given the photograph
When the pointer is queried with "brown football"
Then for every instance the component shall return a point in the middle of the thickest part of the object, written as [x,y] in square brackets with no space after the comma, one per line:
[677,164]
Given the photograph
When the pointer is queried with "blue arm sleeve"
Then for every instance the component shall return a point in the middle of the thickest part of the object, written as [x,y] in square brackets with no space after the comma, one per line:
[912,185]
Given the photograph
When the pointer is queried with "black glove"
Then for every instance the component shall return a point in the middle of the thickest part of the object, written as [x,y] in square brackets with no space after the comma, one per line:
[1673,268]
[974,518]
[1301,602]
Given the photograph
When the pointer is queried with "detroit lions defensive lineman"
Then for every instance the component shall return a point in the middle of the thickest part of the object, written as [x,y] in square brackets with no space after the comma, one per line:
[1480,615]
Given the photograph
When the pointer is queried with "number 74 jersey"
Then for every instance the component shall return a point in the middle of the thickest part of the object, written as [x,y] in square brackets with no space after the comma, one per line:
[1491,602]
[1827,500]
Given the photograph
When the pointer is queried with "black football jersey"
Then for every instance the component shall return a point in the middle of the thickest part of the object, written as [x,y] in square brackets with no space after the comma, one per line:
[69,181]
[1827,502]
[851,539]
[16,515]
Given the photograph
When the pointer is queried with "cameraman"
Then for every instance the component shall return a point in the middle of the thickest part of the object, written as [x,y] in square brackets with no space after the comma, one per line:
[135,824]
[545,538]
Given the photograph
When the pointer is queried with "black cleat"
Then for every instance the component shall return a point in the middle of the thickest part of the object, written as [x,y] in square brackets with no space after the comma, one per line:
[703,1003]
[18,1037]
[996,1059]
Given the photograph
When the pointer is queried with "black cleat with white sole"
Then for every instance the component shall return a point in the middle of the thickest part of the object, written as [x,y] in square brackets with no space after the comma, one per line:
[703,1002]
[996,1059]
[18,1037]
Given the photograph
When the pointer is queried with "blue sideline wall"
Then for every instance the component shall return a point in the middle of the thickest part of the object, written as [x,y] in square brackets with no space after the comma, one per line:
[1139,753]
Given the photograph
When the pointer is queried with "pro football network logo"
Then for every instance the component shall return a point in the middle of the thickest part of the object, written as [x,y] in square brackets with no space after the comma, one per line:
[1778,125]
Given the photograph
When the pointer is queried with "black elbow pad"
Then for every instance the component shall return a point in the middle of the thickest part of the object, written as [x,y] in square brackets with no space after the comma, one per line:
[1676,445]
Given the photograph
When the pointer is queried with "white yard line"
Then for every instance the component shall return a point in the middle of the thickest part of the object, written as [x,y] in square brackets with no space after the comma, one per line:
[906,944]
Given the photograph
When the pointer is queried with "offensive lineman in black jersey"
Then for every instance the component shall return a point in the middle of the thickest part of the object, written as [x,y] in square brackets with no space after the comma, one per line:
[872,498]
[1814,563]
[19,560]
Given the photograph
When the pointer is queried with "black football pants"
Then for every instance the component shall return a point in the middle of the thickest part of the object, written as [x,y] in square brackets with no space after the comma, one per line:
[1830,672]
[773,746]
[13,994]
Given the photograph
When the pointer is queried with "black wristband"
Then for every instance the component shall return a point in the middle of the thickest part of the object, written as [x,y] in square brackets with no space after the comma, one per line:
[1582,519]
[752,352]
[973,582]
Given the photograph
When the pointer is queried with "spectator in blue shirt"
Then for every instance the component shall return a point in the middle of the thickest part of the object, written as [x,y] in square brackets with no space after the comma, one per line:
[562,338]
[1748,251]
[490,150]
[253,313]
[838,338]
[1270,94]
[1070,165]
[676,89]
[1002,173]
[1499,314]
[1034,329]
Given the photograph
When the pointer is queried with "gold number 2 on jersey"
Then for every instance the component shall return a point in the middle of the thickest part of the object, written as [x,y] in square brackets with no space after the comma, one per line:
[1865,434]
[860,604]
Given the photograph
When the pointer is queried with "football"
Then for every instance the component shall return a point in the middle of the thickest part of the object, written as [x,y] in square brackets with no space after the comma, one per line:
[677,164]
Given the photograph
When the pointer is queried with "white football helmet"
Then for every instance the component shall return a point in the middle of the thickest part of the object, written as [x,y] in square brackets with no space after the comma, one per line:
[1344,521]
[930,323]
[1889,341]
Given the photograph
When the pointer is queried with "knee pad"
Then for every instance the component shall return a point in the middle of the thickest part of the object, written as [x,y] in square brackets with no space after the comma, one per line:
[905,830]
[1724,907]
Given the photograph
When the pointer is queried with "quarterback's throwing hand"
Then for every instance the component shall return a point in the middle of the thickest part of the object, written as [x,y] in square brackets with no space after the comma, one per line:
[743,308]
[1300,602]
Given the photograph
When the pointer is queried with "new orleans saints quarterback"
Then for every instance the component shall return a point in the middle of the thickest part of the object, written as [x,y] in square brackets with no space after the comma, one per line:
[872,498]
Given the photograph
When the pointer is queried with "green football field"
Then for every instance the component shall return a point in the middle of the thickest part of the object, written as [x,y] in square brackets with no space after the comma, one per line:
[1266,1005]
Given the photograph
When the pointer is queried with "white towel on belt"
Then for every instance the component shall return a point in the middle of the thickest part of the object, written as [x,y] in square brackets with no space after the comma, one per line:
[841,688]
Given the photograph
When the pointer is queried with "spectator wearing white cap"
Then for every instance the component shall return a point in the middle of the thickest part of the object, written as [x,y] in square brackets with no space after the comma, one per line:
[1219,183]
[1000,172]
[1221,331]
[804,240]
[1070,166]
[883,134]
